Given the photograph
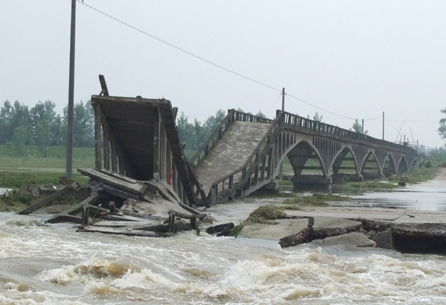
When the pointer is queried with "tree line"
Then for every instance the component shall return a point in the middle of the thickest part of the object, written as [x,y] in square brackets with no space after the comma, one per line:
[42,126]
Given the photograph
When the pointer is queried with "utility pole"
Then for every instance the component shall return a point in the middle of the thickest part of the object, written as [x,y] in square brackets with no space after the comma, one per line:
[283,109]
[69,164]
[383,125]
[362,128]
[283,99]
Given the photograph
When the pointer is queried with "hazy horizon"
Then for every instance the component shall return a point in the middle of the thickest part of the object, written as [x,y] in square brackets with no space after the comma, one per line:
[355,58]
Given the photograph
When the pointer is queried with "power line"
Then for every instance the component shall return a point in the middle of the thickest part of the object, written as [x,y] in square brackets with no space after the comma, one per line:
[179,48]
[212,63]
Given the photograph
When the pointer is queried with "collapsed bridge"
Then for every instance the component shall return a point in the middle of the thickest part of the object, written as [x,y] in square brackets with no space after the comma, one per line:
[137,138]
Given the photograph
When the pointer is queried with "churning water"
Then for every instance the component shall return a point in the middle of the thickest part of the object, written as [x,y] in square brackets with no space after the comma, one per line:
[55,265]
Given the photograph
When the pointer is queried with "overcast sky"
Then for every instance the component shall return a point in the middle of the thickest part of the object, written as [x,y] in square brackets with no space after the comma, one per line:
[356,58]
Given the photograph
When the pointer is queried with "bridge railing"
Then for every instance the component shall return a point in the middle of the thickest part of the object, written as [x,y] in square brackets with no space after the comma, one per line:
[217,134]
[248,117]
[210,142]
[255,172]
[298,123]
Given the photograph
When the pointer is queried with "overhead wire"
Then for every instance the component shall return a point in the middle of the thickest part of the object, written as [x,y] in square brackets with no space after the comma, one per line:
[207,61]
[221,67]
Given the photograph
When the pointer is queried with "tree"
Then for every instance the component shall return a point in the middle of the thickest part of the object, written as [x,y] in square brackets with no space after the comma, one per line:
[5,122]
[357,127]
[83,131]
[442,128]
[260,114]
[317,117]
[42,119]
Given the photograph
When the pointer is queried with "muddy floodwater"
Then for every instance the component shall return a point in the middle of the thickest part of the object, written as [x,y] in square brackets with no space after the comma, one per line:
[55,265]
[430,196]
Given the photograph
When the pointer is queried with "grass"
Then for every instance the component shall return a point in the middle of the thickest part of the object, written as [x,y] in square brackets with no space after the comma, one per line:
[11,179]
[297,202]
[421,174]
[14,201]
[36,169]
[53,162]
[364,185]
[264,214]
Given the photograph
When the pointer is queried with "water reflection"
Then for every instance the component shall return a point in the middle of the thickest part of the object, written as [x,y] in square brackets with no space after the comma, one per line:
[430,196]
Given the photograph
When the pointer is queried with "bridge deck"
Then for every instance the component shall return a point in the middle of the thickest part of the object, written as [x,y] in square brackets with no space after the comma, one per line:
[231,152]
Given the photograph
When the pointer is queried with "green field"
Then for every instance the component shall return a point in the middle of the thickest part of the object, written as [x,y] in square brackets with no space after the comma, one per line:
[34,161]
[34,168]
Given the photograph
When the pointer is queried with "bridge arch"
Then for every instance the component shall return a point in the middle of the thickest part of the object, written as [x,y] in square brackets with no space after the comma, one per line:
[403,167]
[370,166]
[389,165]
[298,154]
[413,163]
[340,157]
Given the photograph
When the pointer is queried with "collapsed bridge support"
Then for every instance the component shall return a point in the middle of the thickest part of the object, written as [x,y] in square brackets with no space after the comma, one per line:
[137,138]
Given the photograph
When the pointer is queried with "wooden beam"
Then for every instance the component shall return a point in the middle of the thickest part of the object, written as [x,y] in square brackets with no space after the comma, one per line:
[47,200]
[98,136]
[104,89]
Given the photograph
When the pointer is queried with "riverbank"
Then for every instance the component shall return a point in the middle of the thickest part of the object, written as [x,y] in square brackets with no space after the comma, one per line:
[303,219]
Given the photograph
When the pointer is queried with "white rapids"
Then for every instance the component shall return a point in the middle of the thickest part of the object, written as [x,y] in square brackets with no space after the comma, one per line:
[55,265]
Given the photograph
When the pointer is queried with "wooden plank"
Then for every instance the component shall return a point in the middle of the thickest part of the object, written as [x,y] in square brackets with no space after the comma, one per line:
[74,209]
[104,88]
[134,188]
[48,199]
[98,136]
[114,159]
[121,177]
[106,146]
[132,101]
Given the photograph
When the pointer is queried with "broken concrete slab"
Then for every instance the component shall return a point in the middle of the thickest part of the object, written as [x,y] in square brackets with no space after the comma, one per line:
[276,230]
[330,226]
[352,239]
[290,232]
[384,239]
[375,214]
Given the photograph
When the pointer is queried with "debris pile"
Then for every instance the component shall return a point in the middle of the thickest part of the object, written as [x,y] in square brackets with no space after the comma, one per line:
[121,205]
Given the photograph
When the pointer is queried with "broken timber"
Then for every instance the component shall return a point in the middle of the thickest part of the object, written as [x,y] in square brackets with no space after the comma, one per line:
[47,200]
[142,184]
[137,138]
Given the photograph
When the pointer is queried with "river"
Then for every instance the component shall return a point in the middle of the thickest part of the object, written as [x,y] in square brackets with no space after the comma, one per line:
[55,265]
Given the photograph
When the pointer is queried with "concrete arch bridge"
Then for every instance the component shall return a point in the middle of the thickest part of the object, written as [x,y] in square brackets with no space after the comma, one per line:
[245,153]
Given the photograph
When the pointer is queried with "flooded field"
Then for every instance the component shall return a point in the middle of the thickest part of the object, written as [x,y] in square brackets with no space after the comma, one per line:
[55,265]
[429,196]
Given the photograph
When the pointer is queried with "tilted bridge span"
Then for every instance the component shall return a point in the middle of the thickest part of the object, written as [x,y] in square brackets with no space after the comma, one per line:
[245,153]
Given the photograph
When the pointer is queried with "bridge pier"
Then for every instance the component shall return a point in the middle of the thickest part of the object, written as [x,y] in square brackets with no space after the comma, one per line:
[311,182]
[342,178]
[371,176]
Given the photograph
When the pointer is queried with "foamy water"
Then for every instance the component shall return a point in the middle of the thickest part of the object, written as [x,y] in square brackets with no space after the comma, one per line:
[55,265]
[3,190]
